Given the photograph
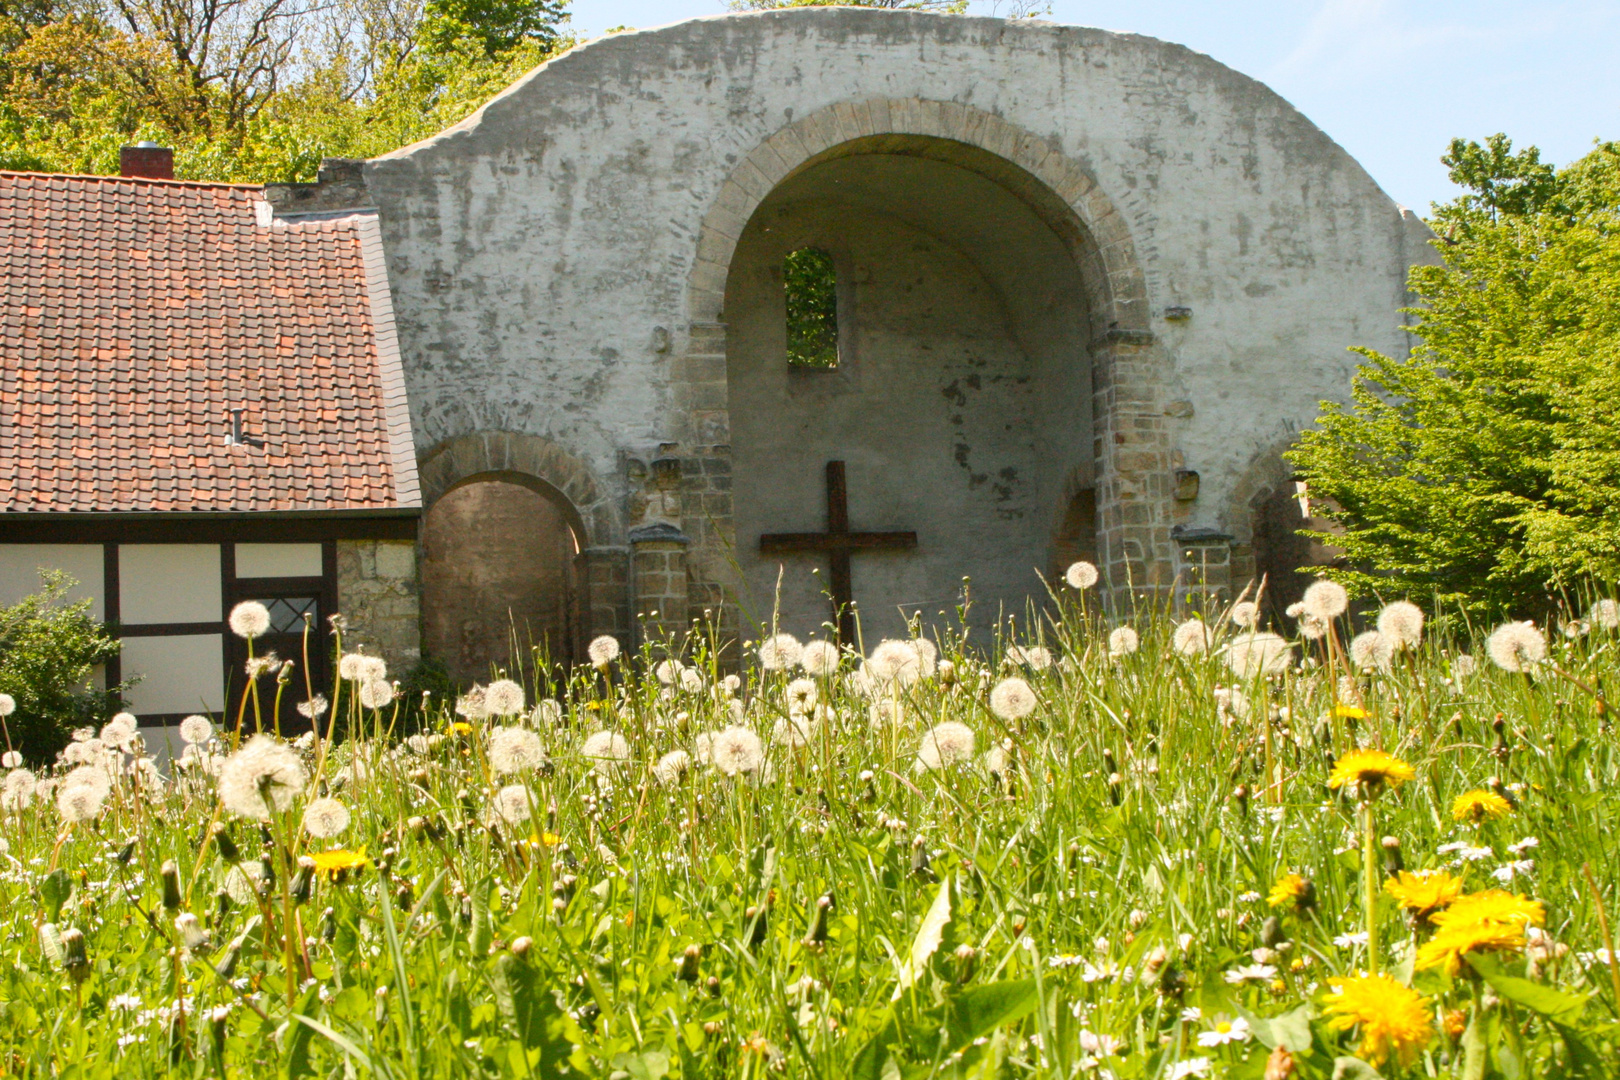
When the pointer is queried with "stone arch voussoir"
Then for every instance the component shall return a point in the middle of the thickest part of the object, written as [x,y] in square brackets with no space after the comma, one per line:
[521,458]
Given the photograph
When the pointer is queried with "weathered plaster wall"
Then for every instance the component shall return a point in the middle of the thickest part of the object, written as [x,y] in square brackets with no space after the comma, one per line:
[558,259]
[379,596]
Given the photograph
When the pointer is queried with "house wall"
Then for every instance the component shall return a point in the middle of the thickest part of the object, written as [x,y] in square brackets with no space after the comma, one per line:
[379,595]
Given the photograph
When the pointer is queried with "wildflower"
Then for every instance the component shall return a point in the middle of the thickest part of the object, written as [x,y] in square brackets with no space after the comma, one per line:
[1479,806]
[801,695]
[1292,891]
[337,859]
[1371,650]
[257,667]
[1516,646]
[1311,628]
[895,661]
[11,759]
[671,767]
[1245,613]
[1012,699]
[1251,973]
[1605,614]
[471,704]
[928,656]
[1325,600]
[512,803]
[79,802]
[325,818]
[17,790]
[794,729]
[1354,939]
[1425,893]
[737,750]
[944,745]
[1258,654]
[503,697]
[1510,870]
[603,650]
[1450,944]
[667,672]
[691,680]
[1191,638]
[119,730]
[1123,642]
[260,778]
[1463,666]
[1035,656]
[1495,906]
[1225,1031]
[1080,575]
[314,708]
[249,619]
[376,694]
[779,652]
[1370,771]
[820,658]
[8,704]
[1395,1021]
[514,750]
[1198,1066]
[196,730]
[1402,624]
[605,747]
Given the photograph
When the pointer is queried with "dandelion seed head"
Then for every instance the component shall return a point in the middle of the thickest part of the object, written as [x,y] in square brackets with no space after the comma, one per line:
[325,818]
[668,671]
[703,748]
[945,744]
[671,767]
[895,661]
[512,804]
[196,730]
[820,658]
[1516,646]
[1463,666]
[603,650]
[779,652]
[514,750]
[1012,699]
[1035,657]
[262,777]
[1255,654]
[1325,600]
[8,704]
[605,747]
[249,619]
[79,802]
[1605,614]
[11,759]
[1245,613]
[1123,642]
[794,729]
[349,666]
[503,697]
[1191,638]
[737,750]
[548,712]
[691,680]
[314,708]
[801,695]
[472,704]
[1402,623]
[1080,575]
[376,694]
[1371,650]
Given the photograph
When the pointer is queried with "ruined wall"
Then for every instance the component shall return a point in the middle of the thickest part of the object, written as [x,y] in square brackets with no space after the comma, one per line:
[379,596]
[559,259]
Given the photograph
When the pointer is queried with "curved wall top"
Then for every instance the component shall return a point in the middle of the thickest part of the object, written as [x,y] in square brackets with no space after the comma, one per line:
[548,254]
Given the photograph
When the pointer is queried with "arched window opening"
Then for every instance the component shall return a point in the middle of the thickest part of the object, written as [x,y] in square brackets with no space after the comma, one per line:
[811,286]
[1076,538]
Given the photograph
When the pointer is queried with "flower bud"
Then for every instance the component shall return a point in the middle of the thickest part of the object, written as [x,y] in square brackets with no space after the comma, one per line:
[171,884]
[687,966]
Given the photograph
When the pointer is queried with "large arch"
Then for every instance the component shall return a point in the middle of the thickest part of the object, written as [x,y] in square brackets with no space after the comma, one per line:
[1130,371]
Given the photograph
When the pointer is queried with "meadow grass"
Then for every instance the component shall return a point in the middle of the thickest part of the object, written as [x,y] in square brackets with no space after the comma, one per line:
[1148,875]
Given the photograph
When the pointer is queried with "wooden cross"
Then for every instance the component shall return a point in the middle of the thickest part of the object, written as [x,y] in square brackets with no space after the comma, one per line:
[839,543]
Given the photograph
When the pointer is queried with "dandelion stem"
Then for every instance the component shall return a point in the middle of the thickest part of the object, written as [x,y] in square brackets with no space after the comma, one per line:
[1369,853]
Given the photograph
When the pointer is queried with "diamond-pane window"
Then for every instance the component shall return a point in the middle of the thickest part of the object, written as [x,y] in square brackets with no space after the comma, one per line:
[287,613]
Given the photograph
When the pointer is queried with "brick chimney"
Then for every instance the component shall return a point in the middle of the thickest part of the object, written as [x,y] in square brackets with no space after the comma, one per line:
[146,160]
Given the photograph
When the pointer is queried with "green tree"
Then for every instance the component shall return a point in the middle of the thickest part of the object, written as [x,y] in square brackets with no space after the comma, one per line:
[48,648]
[1481,468]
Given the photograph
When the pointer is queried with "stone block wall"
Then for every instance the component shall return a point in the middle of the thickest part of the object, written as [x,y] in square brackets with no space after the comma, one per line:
[379,595]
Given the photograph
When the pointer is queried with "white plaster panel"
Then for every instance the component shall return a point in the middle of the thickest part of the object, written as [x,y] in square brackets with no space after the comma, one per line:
[20,565]
[179,673]
[278,560]
[168,583]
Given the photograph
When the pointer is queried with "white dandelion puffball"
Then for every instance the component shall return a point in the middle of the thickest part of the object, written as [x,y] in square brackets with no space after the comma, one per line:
[928,655]
[512,804]
[1245,613]
[691,680]
[1325,600]
[249,619]
[603,650]
[1191,638]
[801,695]
[779,652]
[8,704]
[547,711]
[1258,654]
[471,704]
[1032,656]
[244,881]
[885,711]
[376,694]
[1516,646]
[668,671]
[1012,699]
[503,697]
[260,778]
[671,767]
[605,746]
[17,790]
[1463,666]
[11,759]
[79,802]
[1080,575]
[196,730]
[945,744]
[820,658]
[703,748]
[1402,623]
[1605,614]
[895,661]
[373,668]
[737,750]
[793,730]
[325,818]
[349,666]
[1123,641]
[1369,650]
[514,750]
[119,730]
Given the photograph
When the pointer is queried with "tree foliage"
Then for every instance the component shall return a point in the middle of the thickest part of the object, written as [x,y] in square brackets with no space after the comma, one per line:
[1482,468]
[48,648]
[252,90]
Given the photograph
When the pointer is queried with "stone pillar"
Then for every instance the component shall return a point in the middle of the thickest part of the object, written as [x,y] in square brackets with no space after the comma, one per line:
[1203,569]
[379,595]
[658,566]
[605,574]
[1135,551]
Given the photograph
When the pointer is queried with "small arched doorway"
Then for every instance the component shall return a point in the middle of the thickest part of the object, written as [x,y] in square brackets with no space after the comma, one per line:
[499,577]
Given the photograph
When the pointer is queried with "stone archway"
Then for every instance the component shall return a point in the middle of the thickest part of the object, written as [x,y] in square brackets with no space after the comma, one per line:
[1269,513]
[1130,370]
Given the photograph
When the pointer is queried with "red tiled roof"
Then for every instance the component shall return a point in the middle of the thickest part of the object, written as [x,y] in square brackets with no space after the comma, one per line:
[135,314]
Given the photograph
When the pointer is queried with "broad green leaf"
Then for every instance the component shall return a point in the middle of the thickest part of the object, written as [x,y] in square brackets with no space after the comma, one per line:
[527,1002]
[54,889]
[482,932]
[977,1011]
[1557,1005]
[929,935]
[1349,1068]
[299,1036]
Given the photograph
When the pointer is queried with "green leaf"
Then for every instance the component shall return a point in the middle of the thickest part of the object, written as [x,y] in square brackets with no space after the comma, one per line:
[650,1065]
[976,1012]
[54,889]
[1558,1006]
[342,1043]
[299,1037]
[1349,1068]
[532,1009]
[929,936]
[483,932]
[50,942]
[874,1055]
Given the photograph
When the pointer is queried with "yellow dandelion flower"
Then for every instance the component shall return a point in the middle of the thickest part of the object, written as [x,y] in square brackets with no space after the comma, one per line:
[1451,943]
[1493,906]
[329,862]
[1293,891]
[1396,1021]
[461,727]
[1478,806]
[1370,771]
[1350,712]
[1423,894]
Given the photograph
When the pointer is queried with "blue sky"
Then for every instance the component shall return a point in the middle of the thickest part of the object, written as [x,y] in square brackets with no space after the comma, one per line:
[1391,80]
